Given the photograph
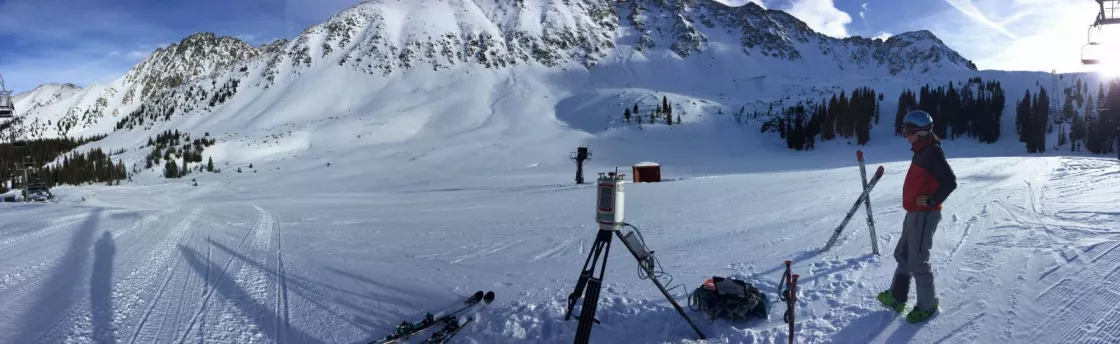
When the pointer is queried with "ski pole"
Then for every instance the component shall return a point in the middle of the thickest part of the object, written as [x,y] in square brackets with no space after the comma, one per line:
[792,303]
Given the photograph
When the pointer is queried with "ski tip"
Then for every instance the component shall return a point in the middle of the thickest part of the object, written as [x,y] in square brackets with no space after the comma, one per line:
[879,171]
[859,154]
[795,276]
[788,262]
[489,297]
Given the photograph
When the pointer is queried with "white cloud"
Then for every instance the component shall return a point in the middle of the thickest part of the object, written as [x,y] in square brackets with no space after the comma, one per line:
[822,16]
[969,9]
[864,11]
[883,35]
[136,55]
[1047,35]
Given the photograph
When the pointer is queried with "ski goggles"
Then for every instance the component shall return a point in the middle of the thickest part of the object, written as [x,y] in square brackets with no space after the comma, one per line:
[909,130]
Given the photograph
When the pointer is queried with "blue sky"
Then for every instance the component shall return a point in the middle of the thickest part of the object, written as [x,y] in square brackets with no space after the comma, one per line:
[93,41]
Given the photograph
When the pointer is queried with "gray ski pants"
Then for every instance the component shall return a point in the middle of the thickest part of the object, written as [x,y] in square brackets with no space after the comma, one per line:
[912,254]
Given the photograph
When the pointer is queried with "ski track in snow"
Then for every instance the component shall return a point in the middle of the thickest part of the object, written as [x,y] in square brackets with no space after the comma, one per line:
[1026,252]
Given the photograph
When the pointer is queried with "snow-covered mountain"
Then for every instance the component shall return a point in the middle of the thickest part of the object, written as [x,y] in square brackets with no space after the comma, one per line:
[440,73]
[406,152]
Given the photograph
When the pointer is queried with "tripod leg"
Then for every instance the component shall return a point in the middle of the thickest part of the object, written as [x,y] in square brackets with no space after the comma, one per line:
[584,275]
[587,314]
[678,307]
[662,289]
[593,286]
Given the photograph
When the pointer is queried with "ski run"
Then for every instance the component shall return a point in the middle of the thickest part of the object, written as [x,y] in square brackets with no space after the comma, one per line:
[401,156]
[1028,252]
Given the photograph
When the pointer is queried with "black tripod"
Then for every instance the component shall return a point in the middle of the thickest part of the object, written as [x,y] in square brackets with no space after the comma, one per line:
[592,285]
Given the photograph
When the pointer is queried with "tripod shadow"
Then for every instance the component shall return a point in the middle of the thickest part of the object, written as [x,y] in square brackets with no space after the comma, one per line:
[265,319]
[319,293]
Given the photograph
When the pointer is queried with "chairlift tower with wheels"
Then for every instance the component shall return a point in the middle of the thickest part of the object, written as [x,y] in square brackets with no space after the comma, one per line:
[7,108]
[1109,14]
[581,155]
[25,168]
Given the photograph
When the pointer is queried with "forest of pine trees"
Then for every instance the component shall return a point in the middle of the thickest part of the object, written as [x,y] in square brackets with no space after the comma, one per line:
[76,168]
[842,116]
[973,109]
[89,167]
[1032,115]
[178,152]
[1082,123]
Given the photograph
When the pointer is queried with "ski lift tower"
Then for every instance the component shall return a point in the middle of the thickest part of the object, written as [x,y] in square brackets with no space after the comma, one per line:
[7,109]
[25,167]
[581,155]
[1109,15]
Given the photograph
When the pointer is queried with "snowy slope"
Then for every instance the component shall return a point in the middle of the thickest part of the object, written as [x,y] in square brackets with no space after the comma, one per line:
[368,85]
[405,153]
[1027,246]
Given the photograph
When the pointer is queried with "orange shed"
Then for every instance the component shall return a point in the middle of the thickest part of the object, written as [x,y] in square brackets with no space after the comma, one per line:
[647,172]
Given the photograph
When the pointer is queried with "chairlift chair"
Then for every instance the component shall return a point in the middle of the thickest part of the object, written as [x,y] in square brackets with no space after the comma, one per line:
[1089,61]
[7,109]
[1106,16]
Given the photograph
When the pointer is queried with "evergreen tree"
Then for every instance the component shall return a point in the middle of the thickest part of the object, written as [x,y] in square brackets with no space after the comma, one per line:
[782,130]
[170,170]
[210,164]
[1061,134]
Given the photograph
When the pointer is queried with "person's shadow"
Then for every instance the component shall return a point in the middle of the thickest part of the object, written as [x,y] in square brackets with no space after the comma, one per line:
[101,290]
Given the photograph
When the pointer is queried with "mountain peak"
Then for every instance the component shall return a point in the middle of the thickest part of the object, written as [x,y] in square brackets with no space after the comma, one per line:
[197,55]
[917,35]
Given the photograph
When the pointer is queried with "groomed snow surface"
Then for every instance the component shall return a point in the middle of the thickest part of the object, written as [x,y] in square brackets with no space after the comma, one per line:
[1028,252]
[373,200]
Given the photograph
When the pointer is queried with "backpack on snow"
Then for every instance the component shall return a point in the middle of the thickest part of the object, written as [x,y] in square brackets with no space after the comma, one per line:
[729,298]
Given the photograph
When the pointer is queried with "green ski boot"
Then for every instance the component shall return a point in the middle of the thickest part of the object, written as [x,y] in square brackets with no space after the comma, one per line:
[888,300]
[918,315]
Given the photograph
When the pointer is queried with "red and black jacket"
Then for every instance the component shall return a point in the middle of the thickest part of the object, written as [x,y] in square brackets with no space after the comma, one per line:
[929,175]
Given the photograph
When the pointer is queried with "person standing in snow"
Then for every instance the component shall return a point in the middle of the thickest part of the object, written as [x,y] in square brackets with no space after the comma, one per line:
[928,183]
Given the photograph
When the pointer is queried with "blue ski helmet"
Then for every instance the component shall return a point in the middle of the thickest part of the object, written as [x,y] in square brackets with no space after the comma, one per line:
[917,120]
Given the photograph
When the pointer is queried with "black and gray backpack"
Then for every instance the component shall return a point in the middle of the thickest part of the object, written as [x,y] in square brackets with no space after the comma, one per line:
[729,298]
